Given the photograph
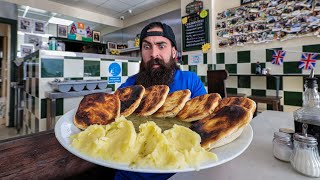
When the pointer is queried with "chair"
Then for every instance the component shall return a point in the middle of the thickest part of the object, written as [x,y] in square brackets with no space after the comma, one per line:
[273,100]
[216,82]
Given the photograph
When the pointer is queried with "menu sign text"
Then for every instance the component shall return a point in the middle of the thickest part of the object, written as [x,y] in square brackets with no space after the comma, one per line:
[195,32]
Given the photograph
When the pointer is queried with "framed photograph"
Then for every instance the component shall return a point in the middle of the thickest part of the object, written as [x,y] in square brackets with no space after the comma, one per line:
[39,27]
[96,36]
[112,45]
[62,31]
[32,39]
[25,50]
[25,25]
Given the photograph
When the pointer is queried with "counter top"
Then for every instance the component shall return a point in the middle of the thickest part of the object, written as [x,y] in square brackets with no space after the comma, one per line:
[257,162]
[85,55]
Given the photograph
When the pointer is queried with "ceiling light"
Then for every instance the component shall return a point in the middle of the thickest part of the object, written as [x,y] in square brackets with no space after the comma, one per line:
[54,20]
[25,11]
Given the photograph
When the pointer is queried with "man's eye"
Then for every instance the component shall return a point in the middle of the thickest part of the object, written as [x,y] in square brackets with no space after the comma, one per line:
[146,46]
[162,46]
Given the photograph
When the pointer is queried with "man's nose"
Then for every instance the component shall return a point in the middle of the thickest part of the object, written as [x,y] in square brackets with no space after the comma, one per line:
[155,53]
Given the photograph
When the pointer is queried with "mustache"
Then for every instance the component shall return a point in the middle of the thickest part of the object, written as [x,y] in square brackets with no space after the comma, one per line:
[156,61]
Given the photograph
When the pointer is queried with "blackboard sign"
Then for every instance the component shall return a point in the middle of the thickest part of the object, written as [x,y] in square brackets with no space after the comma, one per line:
[242,2]
[195,31]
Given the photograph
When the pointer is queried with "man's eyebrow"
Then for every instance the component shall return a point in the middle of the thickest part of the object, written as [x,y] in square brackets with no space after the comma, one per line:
[159,42]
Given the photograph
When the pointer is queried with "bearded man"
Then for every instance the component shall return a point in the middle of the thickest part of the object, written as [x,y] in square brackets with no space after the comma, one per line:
[159,66]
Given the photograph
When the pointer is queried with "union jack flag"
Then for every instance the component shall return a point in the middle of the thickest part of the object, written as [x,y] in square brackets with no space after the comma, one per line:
[277,57]
[308,60]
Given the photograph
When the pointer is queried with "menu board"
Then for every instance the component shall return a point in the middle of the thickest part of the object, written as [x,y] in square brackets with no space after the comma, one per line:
[195,32]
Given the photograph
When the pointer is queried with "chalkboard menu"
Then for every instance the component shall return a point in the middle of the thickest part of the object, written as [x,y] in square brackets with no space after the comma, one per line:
[242,2]
[195,31]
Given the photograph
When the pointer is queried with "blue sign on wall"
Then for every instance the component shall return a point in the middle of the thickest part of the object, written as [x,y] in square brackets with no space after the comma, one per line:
[114,73]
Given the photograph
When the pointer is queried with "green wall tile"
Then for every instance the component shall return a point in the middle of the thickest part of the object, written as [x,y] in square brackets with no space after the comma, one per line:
[203,79]
[37,87]
[104,78]
[124,69]
[74,78]
[312,48]
[51,67]
[271,82]
[205,58]
[91,68]
[112,86]
[184,60]
[244,57]
[269,53]
[210,67]
[232,68]
[59,107]
[36,123]
[244,81]
[43,108]
[103,59]
[291,67]
[292,98]
[71,57]
[193,68]
[215,67]
[258,92]
[232,90]
[220,58]
[253,67]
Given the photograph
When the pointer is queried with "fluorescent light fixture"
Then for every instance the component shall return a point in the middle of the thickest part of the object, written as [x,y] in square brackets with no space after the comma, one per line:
[54,20]
[25,11]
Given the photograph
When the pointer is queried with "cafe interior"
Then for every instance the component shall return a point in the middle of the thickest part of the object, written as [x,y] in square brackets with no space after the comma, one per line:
[54,52]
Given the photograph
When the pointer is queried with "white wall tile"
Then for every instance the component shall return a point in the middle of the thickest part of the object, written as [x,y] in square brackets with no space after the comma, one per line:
[262,107]
[232,82]
[294,83]
[273,93]
[202,69]
[244,68]
[258,82]
[274,69]
[292,54]
[287,108]
[71,103]
[220,66]
[42,124]
[258,55]
[37,108]
[231,57]
[73,68]
[104,68]
[44,86]
[246,91]
[133,68]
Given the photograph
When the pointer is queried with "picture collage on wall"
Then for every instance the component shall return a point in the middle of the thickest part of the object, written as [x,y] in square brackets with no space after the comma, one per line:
[268,20]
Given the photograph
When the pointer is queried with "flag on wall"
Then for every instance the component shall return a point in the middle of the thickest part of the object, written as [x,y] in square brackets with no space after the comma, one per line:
[278,56]
[308,60]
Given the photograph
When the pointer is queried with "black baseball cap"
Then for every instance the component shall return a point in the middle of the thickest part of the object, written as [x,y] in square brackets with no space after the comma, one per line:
[167,32]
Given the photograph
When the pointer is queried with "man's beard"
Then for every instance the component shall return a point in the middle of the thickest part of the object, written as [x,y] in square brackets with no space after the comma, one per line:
[162,75]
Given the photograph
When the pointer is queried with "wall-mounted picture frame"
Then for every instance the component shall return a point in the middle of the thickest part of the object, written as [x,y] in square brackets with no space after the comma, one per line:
[25,25]
[39,27]
[32,39]
[25,50]
[62,31]
[112,45]
[96,36]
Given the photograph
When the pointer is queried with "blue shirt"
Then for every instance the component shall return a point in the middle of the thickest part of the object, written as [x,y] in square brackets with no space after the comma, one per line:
[182,80]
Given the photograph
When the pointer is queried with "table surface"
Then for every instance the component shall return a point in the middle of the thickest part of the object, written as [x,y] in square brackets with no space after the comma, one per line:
[257,162]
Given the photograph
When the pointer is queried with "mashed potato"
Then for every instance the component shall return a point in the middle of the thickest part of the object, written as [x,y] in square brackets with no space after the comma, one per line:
[176,148]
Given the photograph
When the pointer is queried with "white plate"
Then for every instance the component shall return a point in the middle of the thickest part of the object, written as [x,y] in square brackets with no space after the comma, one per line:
[65,127]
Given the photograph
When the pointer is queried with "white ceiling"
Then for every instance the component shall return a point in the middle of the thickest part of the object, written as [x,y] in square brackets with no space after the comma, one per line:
[114,8]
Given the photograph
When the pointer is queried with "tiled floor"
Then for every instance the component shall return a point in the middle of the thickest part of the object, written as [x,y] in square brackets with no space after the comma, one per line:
[8,132]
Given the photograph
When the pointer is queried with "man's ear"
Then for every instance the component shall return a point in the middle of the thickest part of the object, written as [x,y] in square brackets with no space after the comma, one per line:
[174,52]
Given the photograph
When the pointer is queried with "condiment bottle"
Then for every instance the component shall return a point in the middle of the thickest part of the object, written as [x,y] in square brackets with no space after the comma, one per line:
[309,114]
[282,146]
[305,157]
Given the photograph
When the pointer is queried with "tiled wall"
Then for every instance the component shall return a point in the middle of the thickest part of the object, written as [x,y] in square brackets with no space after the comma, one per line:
[241,64]
[44,68]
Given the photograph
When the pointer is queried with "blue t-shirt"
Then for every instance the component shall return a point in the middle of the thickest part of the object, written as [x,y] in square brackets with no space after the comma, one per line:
[182,80]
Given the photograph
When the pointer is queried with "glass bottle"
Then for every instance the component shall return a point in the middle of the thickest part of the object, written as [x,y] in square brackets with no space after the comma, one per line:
[307,118]
[305,157]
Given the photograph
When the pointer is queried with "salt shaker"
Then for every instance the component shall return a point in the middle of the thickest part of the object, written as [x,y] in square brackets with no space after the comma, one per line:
[305,157]
[282,146]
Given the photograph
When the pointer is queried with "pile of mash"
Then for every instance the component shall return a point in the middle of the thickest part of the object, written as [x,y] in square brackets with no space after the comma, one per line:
[176,148]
